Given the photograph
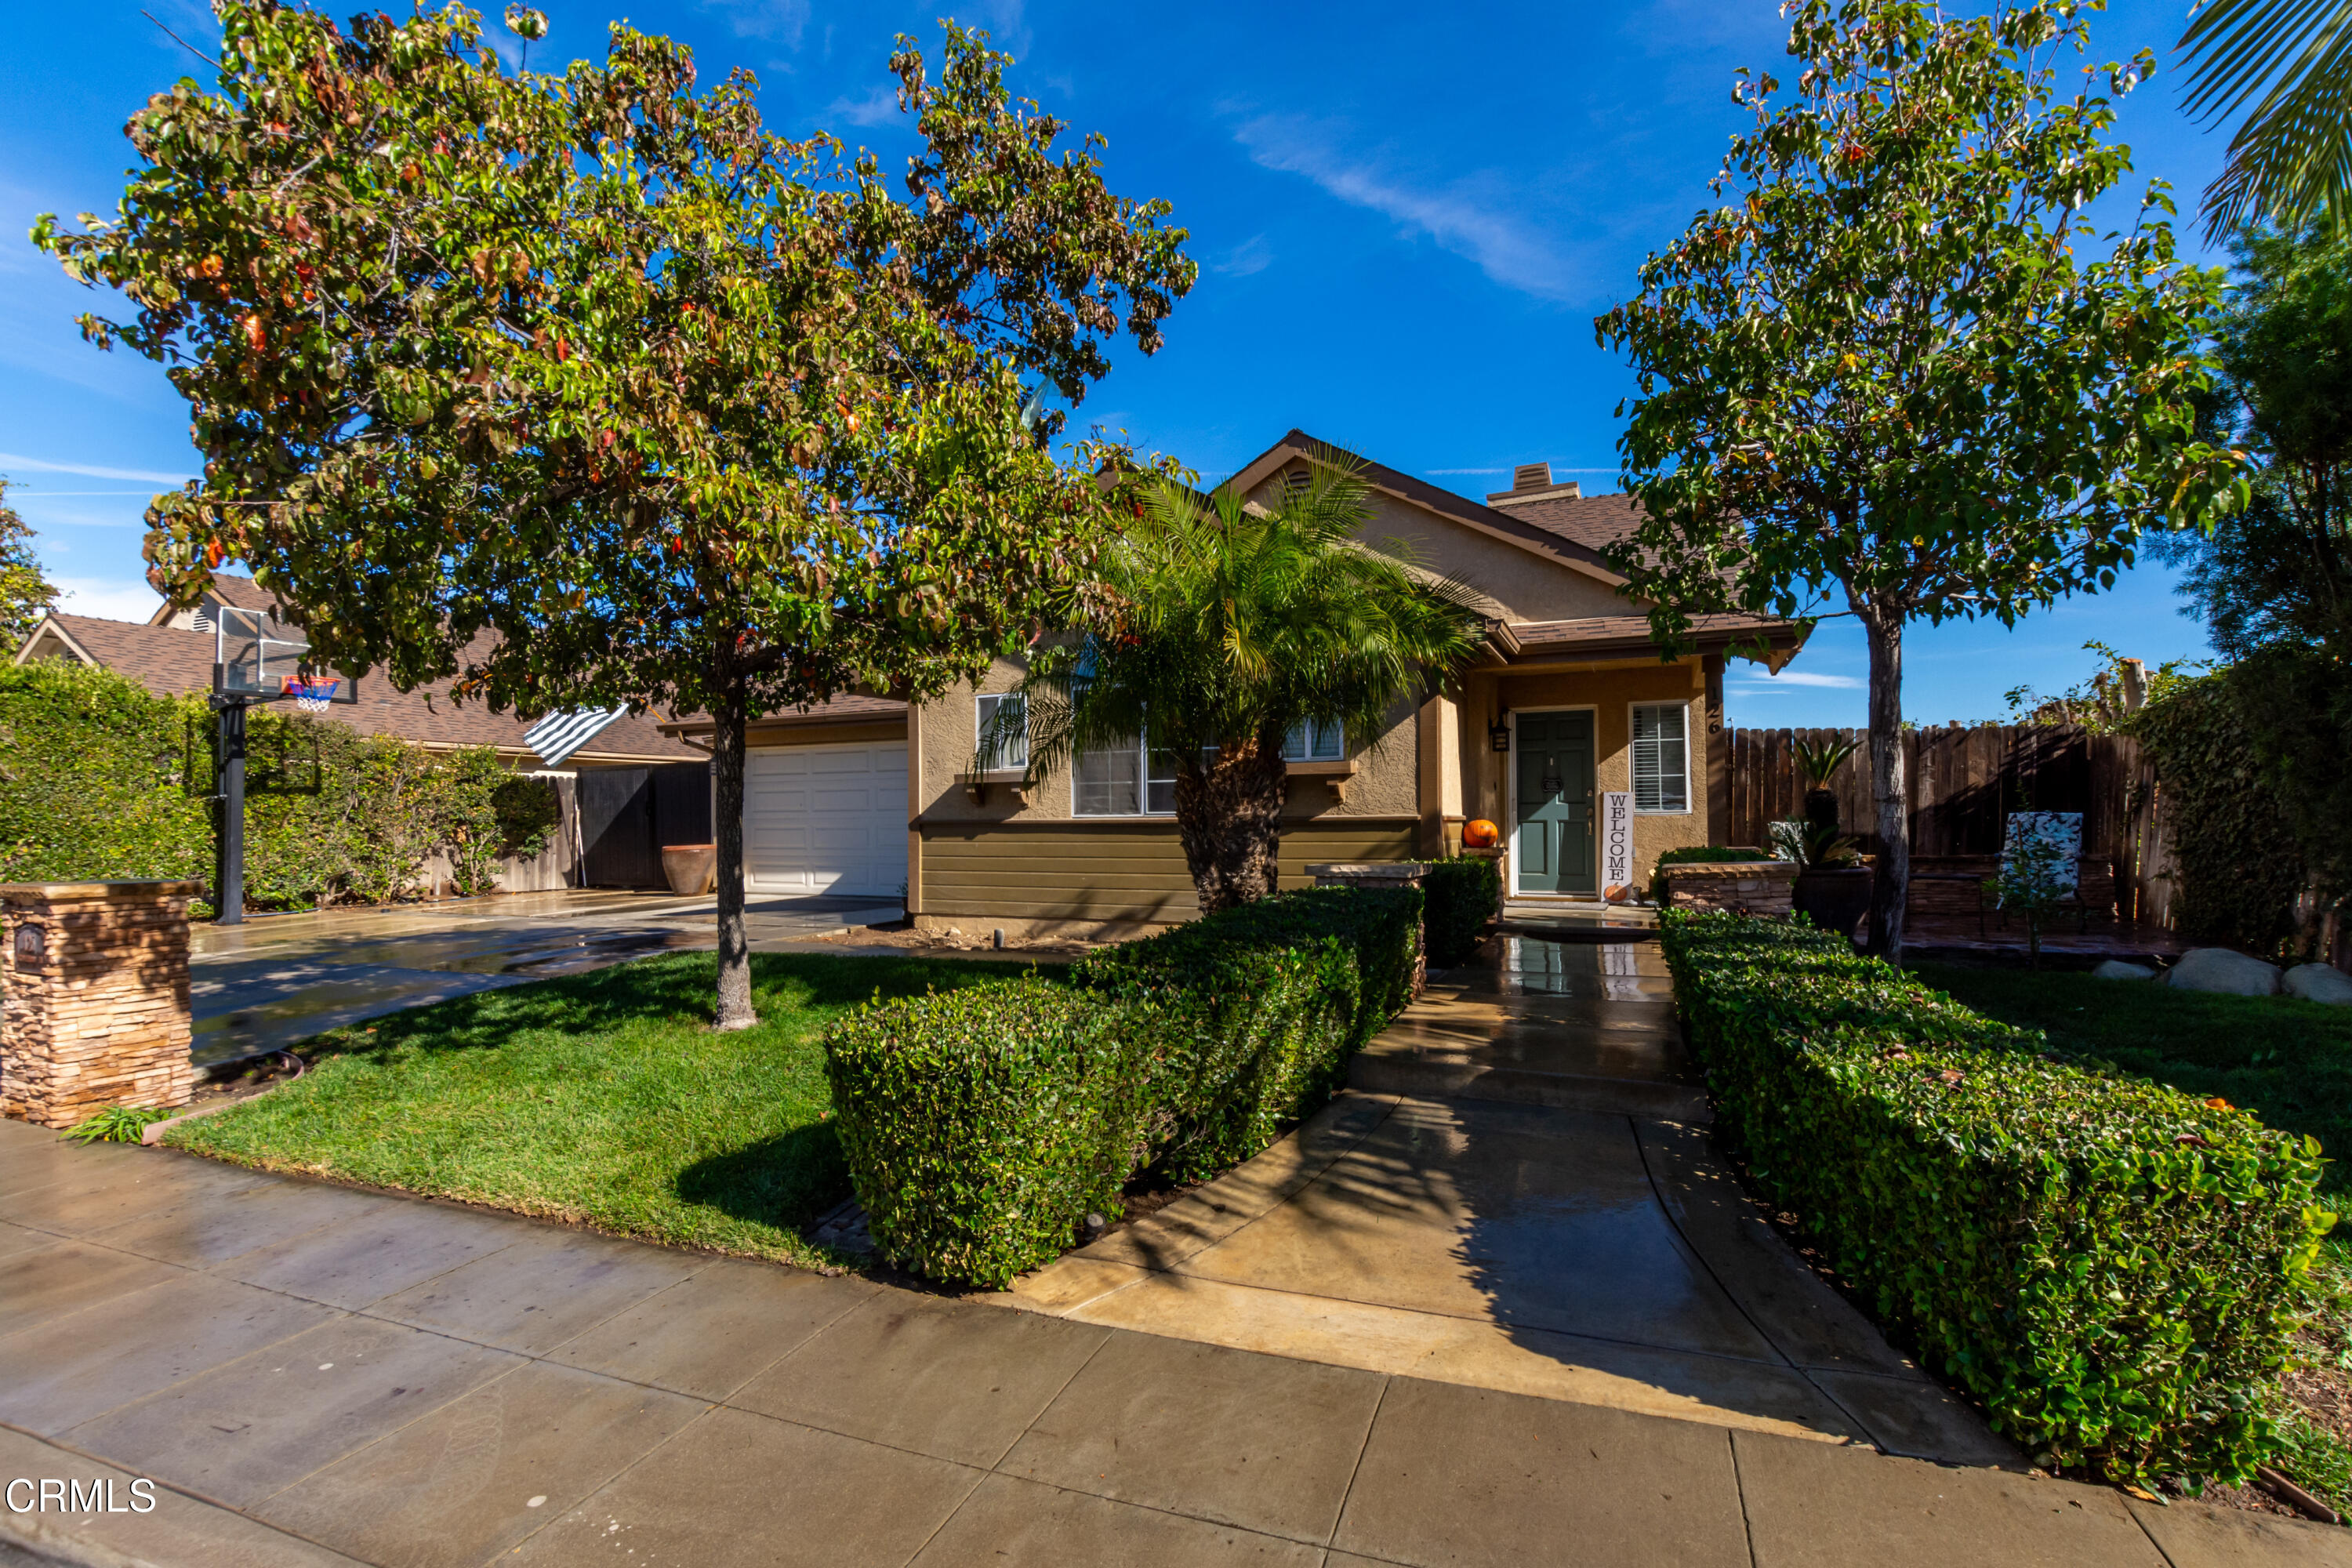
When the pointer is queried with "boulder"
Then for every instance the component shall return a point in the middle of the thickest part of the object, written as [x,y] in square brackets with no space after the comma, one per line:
[2116,969]
[2226,971]
[2320,982]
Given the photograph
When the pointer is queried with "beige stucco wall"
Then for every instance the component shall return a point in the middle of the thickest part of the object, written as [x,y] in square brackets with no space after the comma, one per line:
[1522,585]
[1610,691]
[1383,783]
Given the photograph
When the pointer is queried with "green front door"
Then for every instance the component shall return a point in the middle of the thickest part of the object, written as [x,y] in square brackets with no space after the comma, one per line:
[1552,840]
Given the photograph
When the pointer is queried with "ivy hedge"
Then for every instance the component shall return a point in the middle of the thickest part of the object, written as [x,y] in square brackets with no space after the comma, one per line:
[2236,862]
[981,1127]
[2113,1267]
[1463,895]
[101,779]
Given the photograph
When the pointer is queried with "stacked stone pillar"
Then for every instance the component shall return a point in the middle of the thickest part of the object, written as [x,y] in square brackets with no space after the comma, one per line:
[95,1009]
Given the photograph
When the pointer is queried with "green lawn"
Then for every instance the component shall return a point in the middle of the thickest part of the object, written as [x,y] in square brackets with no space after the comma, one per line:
[2288,1061]
[598,1097]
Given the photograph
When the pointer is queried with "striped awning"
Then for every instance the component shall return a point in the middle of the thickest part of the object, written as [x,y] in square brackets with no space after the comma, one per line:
[559,736]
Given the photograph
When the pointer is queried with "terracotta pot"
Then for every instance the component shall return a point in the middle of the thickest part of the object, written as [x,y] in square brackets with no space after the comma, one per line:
[1834,896]
[691,868]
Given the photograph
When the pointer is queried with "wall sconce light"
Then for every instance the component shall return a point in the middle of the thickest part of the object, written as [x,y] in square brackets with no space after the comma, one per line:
[1498,734]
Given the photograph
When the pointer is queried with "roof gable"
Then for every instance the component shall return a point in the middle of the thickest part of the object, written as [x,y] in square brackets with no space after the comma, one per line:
[1576,549]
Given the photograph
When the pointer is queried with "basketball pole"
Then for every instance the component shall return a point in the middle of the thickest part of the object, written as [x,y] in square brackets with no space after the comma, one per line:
[228,756]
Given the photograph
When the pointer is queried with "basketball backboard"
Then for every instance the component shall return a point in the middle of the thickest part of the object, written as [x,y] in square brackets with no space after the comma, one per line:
[263,660]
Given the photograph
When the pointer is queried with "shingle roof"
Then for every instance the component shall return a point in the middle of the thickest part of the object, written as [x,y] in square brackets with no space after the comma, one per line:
[175,663]
[1592,522]
[1634,630]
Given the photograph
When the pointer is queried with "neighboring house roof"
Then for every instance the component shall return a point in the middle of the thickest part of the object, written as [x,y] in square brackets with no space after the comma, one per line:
[173,661]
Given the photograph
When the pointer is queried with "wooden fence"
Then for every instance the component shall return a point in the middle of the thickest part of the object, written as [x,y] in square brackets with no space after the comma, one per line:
[1964,783]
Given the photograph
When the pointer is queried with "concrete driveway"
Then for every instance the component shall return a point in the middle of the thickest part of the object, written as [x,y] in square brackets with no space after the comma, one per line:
[277,979]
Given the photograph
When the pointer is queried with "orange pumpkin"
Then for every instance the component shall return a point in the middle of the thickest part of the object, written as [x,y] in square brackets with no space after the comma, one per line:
[1480,834]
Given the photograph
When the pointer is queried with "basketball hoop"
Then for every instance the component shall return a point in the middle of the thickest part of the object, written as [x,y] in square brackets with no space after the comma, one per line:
[310,696]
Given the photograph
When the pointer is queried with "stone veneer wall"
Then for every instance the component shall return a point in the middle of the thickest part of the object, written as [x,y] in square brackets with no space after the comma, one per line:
[1758,887]
[95,1009]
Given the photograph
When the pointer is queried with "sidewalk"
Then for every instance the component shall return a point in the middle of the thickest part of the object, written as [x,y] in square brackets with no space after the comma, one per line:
[1519,1194]
[318,1374]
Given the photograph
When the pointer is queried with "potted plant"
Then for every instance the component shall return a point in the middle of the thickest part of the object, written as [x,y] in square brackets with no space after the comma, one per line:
[1832,886]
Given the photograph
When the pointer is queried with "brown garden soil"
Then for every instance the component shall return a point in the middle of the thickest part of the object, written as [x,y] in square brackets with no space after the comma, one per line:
[231,1081]
[901,935]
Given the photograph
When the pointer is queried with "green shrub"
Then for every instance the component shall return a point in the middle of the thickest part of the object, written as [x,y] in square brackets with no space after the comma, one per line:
[100,779]
[1696,855]
[2113,1267]
[1463,895]
[981,1127]
[1258,1010]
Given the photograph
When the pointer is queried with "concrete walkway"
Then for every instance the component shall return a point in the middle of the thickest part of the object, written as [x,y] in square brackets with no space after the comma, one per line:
[277,979]
[1520,1195]
[320,1376]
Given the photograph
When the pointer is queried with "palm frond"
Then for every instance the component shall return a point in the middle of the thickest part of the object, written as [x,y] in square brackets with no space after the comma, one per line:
[2291,158]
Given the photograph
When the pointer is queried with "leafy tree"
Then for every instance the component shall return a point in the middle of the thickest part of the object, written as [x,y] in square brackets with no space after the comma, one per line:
[2274,583]
[685,414]
[1882,374]
[1215,629]
[2291,158]
[24,595]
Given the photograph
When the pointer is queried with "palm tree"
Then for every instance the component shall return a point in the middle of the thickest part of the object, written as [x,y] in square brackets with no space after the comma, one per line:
[2291,160]
[1219,629]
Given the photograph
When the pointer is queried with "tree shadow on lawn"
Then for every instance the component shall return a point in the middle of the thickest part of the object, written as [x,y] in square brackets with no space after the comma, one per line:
[676,988]
[786,1180]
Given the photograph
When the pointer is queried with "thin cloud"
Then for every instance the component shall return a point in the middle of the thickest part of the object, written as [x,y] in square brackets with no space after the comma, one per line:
[10,460]
[1505,249]
[781,20]
[107,599]
[1251,256]
[876,108]
[1794,678]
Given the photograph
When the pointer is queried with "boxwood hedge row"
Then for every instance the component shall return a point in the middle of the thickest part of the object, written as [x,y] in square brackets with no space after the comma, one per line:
[981,1127]
[2113,1267]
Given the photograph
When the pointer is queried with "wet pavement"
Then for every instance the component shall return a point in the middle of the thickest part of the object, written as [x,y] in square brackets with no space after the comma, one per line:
[312,1374]
[277,979]
[1520,1193]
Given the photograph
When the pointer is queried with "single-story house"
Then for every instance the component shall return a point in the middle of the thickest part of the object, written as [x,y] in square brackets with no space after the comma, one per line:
[1570,713]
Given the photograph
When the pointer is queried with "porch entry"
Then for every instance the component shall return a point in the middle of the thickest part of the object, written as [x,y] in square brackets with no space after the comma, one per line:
[1551,833]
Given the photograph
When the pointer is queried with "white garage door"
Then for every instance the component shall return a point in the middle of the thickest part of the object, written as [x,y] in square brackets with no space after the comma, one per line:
[827,819]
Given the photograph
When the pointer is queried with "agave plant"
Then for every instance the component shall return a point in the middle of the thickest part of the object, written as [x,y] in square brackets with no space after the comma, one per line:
[1811,845]
[1818,763]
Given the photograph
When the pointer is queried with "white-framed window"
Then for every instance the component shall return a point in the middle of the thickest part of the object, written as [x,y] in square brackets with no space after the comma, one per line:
[1131,779]
[1012,750]
[1661,757]
[1314,740]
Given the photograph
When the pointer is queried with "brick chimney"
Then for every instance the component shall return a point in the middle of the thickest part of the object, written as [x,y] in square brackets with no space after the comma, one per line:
[1532,482]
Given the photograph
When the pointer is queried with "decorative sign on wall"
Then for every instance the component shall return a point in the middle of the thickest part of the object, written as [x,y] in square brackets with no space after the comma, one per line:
[32,945]
[1616,844]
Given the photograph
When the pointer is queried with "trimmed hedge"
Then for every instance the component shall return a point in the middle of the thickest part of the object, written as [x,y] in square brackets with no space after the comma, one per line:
[2113,1267]
[1463,894]
[982,1125]
[980,1129]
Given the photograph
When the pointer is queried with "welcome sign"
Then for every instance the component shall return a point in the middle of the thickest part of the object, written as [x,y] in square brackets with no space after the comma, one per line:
[1616,844]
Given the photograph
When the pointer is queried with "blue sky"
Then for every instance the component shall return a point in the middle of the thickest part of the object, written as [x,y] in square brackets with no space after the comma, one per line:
[1406,218]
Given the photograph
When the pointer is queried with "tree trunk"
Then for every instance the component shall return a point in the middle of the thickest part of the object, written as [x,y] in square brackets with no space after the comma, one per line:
[735,1010]
[1889,790]
[1229,816]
